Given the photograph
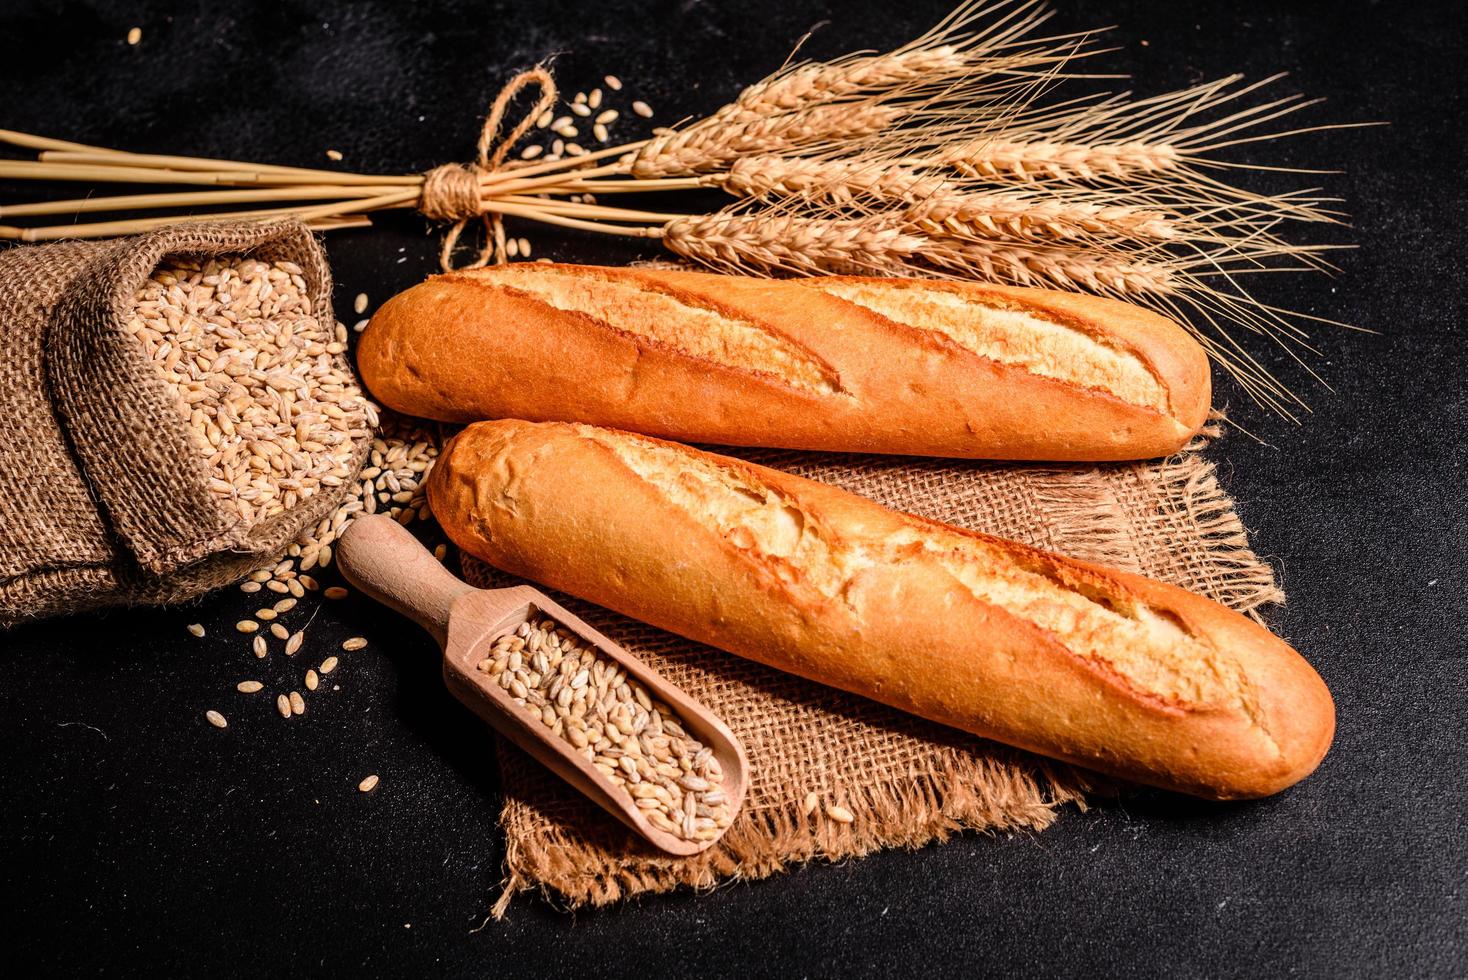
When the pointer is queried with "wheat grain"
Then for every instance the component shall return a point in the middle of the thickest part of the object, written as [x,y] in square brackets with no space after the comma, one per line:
[839,813]
[368,784]
[249,687]
[197,629]
[216,719]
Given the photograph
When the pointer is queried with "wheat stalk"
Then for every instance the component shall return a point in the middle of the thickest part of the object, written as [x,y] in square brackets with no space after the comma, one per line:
[897,163]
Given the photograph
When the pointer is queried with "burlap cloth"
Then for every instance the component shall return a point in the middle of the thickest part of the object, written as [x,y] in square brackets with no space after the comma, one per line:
[103,499]
[908,781]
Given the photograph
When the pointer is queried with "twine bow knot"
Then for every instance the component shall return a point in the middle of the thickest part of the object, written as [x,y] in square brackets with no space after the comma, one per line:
[452,192]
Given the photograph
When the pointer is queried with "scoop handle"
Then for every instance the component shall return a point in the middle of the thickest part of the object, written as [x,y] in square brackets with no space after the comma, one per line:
[380,557]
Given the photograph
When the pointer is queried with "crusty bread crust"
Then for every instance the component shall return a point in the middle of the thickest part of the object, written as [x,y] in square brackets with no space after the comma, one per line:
[487,344]
[560,504]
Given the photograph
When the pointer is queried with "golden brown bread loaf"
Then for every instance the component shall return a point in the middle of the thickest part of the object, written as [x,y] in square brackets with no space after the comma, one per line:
[1067,659]
[845,364]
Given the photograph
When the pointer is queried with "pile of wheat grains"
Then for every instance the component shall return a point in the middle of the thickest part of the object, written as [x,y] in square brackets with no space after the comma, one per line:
[637,742]
[273,407]
[275,413]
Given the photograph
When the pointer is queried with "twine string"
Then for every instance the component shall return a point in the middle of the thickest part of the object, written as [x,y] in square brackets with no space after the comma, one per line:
[451,192]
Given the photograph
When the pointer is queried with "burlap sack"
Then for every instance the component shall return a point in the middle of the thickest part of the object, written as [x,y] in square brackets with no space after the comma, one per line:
[909,782]
[103,501]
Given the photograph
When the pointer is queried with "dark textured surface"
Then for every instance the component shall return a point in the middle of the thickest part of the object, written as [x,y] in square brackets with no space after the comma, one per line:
[134,836]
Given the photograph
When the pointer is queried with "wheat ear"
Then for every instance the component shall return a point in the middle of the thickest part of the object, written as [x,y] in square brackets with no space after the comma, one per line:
[788,243]
[940,206]
[705,147]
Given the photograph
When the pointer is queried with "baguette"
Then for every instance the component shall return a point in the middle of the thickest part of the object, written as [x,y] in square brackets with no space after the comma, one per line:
[844,364]
[1067,659]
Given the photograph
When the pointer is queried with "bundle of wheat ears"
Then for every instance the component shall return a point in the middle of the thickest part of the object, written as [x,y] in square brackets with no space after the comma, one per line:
[948,157]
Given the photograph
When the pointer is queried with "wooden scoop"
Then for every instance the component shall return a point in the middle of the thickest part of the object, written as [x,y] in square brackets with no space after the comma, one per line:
[382,559]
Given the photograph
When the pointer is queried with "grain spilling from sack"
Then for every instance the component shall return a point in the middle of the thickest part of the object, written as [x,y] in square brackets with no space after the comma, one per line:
[273,412]
[638,743]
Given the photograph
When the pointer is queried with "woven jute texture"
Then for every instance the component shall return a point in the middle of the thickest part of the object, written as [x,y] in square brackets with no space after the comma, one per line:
[908,781]
[103,499]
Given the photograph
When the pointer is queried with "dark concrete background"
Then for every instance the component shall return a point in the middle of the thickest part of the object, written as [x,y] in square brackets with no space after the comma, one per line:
[134,837]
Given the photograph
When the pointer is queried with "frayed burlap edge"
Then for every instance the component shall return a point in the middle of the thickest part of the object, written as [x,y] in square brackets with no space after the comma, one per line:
[992,789]
[960,793]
